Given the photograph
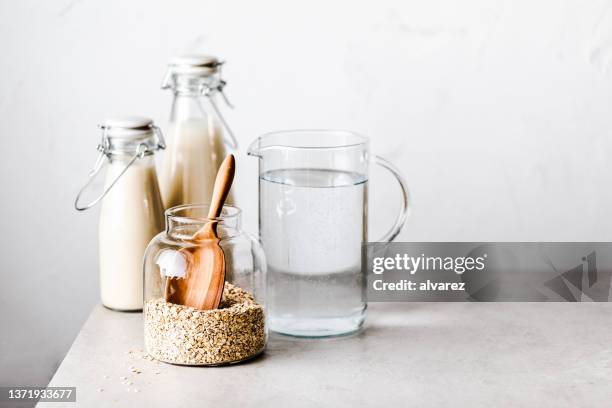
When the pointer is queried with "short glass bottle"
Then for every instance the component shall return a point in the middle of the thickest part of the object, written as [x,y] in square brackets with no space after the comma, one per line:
[178,334]
[131,212]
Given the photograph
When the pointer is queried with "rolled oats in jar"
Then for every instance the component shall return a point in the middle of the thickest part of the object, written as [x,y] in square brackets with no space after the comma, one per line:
[236,330]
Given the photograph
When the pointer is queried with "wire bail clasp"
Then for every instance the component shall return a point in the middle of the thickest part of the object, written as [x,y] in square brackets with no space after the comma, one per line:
[105,149]
[209,91]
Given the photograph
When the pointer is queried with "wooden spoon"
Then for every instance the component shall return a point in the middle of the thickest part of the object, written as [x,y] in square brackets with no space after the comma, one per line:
[202,285]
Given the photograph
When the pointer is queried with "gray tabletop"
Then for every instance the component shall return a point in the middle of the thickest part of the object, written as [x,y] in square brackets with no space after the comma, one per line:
[410,354]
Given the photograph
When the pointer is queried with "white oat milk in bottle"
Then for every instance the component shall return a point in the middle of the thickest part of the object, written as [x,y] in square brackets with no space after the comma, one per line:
[132,211]
[196,145]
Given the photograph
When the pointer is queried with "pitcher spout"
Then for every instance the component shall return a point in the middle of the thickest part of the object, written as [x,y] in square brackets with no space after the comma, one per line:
[254,148]
[263,144]
[275,141]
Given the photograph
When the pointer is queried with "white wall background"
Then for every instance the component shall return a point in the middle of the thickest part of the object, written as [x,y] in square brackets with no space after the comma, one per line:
[498,113]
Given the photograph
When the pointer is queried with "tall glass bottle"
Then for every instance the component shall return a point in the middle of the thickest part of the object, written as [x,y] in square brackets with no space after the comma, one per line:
[195,141]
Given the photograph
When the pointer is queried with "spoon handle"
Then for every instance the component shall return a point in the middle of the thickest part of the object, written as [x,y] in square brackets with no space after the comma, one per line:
[223,183]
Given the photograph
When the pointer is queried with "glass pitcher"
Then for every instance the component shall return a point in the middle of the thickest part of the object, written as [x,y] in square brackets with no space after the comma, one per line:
[313,218]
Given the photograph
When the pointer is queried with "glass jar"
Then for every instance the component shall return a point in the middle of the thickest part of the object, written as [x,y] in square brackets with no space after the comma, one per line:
[178,334]
[131,212]
[197,134]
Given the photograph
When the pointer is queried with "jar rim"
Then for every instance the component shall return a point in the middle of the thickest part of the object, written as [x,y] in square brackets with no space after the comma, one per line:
[228,213]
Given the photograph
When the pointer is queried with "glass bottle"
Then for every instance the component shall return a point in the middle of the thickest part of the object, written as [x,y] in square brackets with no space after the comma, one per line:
[131,212]
[194,135]
[178,334]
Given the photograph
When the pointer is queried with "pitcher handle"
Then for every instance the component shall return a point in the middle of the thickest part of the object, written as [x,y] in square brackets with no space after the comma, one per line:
[403,212]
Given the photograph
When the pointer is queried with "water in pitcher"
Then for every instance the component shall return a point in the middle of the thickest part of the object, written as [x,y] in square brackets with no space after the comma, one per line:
[312,225]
